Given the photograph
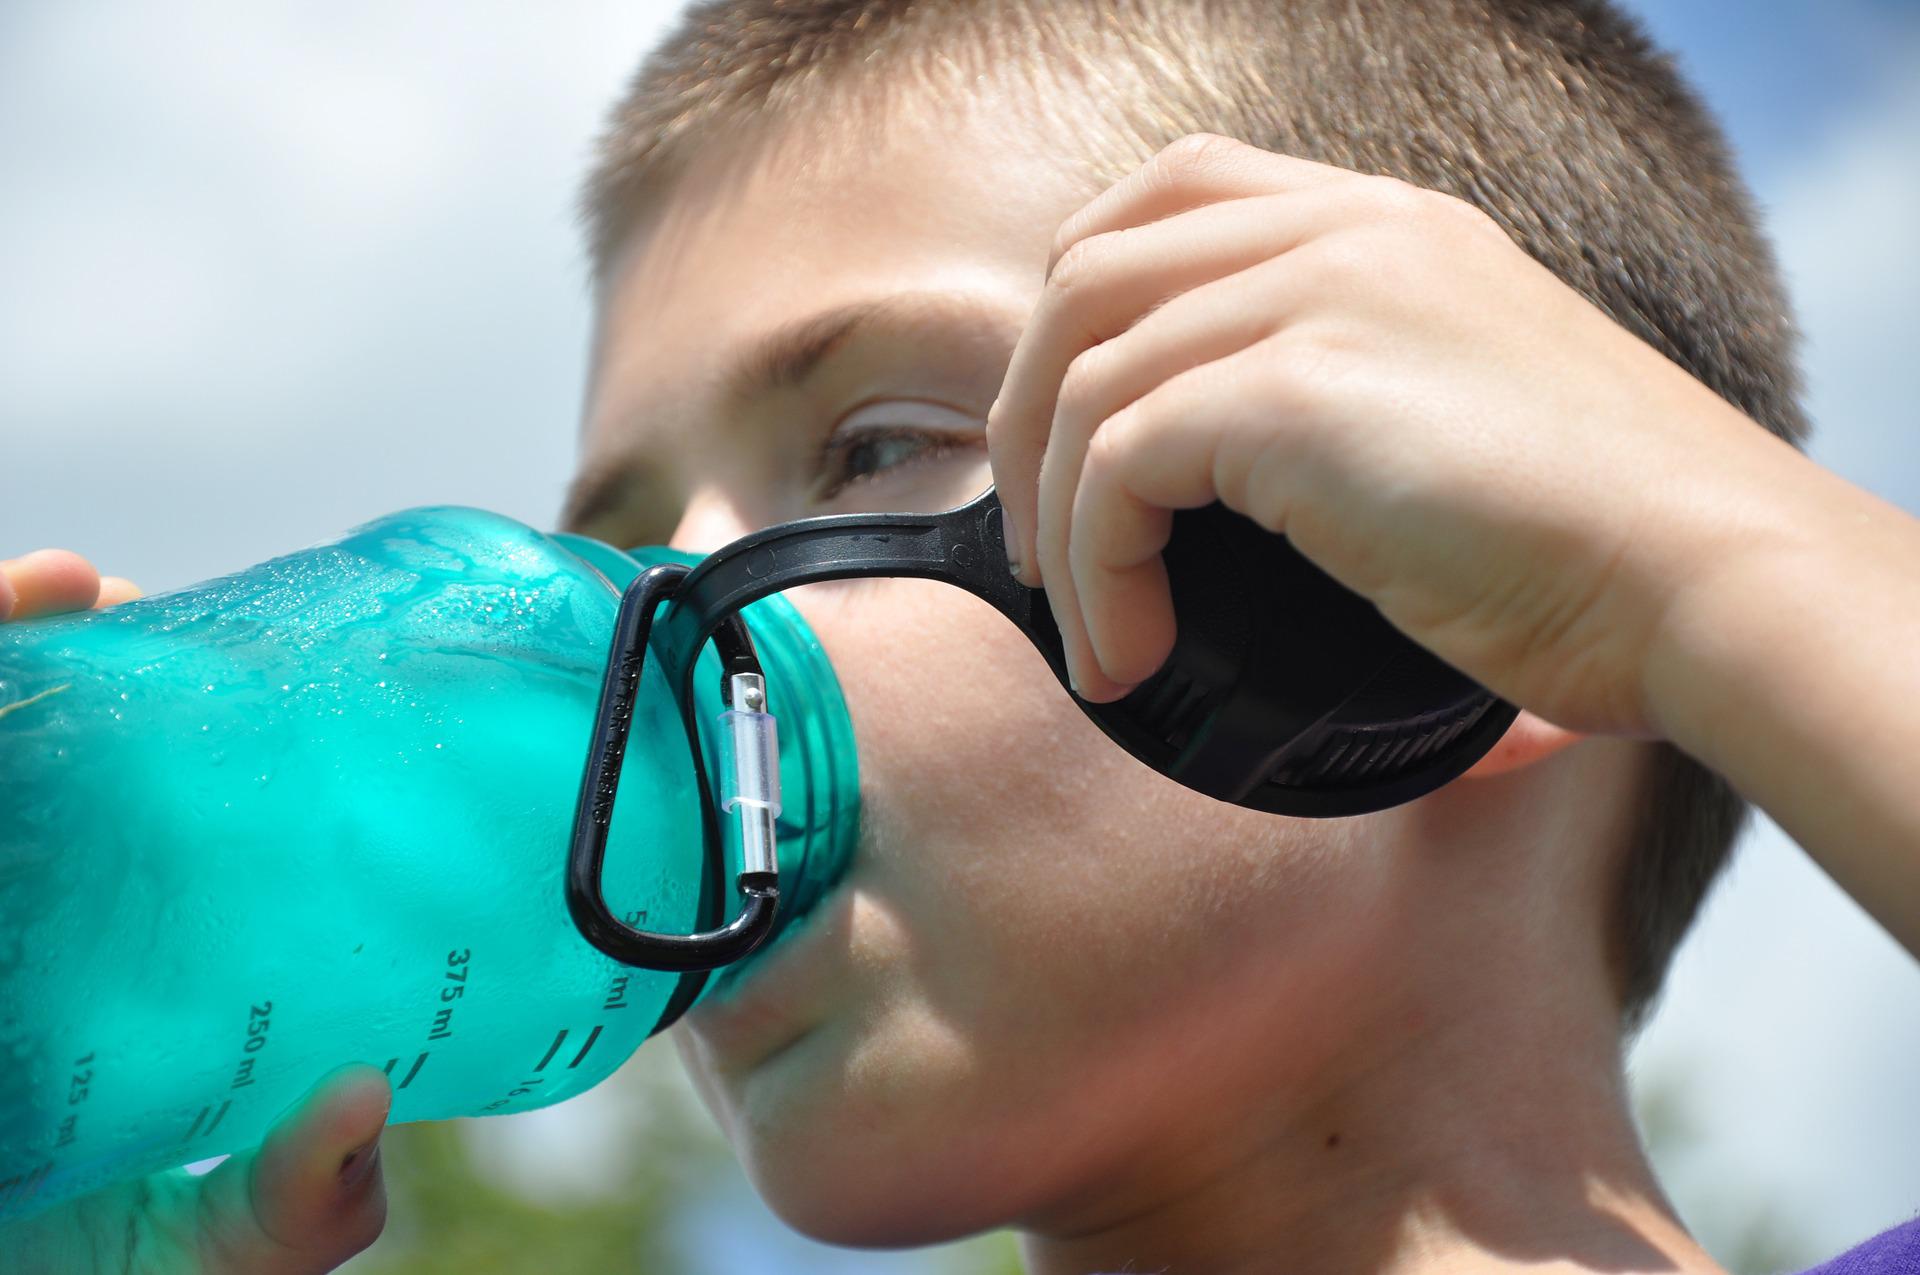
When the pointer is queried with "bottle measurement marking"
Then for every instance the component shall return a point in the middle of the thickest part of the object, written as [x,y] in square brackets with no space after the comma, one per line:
[259,1022]
[18,1188]
[217,1117]
[534,1081]
[79,1086]
[411,1071]
[617,989]
[616,998]
[559,1040]
[456,987]
[453,986]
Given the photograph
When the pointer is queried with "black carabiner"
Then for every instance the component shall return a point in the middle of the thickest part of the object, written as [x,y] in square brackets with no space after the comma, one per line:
[600,784]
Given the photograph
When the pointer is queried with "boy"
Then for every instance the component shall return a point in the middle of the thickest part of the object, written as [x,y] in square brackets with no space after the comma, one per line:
[846,258]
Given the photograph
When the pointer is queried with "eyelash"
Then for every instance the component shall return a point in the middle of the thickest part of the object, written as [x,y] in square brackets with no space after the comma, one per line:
[936,445]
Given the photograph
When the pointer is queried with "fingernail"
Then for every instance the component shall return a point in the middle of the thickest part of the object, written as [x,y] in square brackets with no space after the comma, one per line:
[1012,537]
[359,1163]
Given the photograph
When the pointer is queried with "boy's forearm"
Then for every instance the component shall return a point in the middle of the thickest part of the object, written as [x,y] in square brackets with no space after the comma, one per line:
[1792,667]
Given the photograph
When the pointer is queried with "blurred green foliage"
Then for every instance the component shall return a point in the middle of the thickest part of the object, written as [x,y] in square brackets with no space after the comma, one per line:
[452,1213]
[1745,1234]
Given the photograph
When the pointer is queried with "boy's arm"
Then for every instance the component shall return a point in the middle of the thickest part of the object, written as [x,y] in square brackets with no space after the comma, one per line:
[1794,670]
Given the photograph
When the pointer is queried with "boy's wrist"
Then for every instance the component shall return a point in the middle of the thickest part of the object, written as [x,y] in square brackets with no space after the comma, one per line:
[1787,664]
[1768,574]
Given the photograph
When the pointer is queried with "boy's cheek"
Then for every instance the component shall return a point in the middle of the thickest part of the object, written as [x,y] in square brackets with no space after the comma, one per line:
[1005,832]
[1045,898]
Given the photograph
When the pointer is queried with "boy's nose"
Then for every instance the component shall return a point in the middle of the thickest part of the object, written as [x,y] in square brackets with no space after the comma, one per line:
[709,521]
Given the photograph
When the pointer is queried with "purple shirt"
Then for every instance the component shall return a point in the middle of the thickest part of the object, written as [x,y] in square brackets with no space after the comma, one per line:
[1895,1252]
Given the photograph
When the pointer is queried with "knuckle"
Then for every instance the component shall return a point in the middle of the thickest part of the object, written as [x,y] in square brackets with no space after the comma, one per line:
[1471,218]
[1337,259]
[1110,452]
[1079,266]
[1398,200]
[1443,204]
[1065,238]
[1105,451]
[1196,153]
[1303,366]
[1080,386]
[58,560]
[1000,431]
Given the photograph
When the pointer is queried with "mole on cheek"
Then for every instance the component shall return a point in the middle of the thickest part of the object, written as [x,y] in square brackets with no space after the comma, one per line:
[1333,1140]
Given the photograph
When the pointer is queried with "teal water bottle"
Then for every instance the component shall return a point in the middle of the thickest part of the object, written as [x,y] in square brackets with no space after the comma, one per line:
[318,811]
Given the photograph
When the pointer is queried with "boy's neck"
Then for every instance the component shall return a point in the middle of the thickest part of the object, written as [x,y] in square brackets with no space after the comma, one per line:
[1500,1138]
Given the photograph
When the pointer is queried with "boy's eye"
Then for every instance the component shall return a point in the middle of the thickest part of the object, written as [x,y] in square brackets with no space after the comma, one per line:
[898,439]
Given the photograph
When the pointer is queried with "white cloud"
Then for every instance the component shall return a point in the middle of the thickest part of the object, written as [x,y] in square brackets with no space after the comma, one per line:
[285,268]
[1847,223]
[216,203]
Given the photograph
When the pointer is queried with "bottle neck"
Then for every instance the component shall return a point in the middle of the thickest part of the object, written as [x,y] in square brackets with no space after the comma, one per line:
[819,780]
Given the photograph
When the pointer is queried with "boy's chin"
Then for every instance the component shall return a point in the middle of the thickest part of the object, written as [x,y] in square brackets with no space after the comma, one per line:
[859,1166]
[864,1201]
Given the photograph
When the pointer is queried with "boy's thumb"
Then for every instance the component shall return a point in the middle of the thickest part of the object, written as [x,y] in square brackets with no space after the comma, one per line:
[312,1194]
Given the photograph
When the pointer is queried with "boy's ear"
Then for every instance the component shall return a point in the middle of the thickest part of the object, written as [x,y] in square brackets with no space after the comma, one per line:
[1528,740]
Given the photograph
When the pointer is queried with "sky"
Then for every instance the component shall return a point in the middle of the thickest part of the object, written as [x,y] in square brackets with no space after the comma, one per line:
[275,269]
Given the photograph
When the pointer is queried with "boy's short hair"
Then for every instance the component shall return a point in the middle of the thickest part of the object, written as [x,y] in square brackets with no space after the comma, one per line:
[1557,117]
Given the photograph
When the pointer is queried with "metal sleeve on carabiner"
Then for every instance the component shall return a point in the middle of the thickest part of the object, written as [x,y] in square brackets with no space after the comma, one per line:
[750,770]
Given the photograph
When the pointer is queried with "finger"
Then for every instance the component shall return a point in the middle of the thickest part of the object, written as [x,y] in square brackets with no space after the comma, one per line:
[1163,452]
[1101,289]
[1110,536]
[48,581]
[1201,168]
[1210,323]
[312,1194]
[114,590]
[1110,283]
[1120,577]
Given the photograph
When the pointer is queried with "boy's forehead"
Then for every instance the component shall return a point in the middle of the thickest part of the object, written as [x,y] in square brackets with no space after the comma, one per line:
[748,243]
[812,195]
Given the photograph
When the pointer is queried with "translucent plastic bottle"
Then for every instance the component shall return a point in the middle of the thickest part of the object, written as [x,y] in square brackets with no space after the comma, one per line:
[318,812]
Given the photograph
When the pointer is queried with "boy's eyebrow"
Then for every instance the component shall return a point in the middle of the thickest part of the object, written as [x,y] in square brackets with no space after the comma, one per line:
[600,489]
[787,356]
[782,359]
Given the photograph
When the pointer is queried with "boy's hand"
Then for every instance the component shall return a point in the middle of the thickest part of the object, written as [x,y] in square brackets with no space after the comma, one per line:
[48,581]
[307,1199]
[1379,372]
